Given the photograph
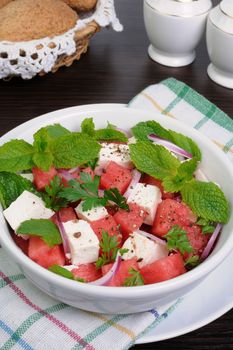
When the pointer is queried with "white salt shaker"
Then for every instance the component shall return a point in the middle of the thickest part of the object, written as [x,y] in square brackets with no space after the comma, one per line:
[219,36]
[174,28]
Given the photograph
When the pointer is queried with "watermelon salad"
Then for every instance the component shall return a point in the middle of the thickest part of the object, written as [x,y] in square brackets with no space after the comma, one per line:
[109,207]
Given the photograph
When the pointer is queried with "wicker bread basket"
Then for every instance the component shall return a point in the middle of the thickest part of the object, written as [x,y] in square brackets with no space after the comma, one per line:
[38,57]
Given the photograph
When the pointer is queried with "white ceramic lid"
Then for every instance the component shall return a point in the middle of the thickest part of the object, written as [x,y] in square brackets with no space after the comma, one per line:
[222,16]
[181,8]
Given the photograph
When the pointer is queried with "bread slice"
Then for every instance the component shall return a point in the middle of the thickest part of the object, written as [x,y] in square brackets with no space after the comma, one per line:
[81,5]
[25,20]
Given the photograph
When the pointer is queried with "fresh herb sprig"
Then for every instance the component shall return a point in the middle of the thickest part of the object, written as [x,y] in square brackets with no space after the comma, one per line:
[86,189]
[135,278]
[207,226]
[52,198]
[205,199]
[192,261]
[109,246]
[177,240]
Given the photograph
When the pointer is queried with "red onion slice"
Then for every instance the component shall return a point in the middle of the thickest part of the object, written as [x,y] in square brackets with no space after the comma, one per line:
[101,193]
[200,175]
[170,146]
[65,174]
[152,237]
[126,133]
[73,170]
[136,176]
[99,170]
[103,281]
[64,237]
[211,242]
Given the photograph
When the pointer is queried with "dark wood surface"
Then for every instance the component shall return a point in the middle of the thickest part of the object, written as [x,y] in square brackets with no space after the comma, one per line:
[116,68]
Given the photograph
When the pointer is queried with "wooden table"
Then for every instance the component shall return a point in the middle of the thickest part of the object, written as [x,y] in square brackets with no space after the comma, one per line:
[115,69]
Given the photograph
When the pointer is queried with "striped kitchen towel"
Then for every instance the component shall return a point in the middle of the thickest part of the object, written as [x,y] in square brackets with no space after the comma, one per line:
[29,319]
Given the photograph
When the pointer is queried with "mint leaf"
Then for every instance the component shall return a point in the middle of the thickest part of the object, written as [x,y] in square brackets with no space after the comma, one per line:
[186,143]
[16,155]
[177,239]
[143,129]
[206,200]
[208,229]
[59,270]
[207,226]
[74,149]
[153,160]
[107,134]
[56,130]
[11,187]
[88,127]
[184,174]
[43,228]
[43,160]
[135,278]
[110,134]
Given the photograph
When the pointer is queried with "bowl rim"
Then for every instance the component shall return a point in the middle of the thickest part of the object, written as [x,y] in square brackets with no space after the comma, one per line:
[119,292]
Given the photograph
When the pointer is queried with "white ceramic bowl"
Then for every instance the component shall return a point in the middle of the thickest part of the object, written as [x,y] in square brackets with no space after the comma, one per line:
[124,299]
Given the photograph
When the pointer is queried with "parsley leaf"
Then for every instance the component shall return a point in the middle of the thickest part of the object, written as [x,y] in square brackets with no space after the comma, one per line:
[154,160]
[88,191]
[174,183]
[143,129]
[206,200]
[92,164]
[177,239]
[114,195]
[192,261]
[53,199]
[135,278]
[59,270]
[43,228]
[109,248]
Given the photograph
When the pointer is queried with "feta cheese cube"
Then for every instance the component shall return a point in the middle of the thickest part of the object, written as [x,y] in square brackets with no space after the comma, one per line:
[28,176]
[117,153]
[27,206]
[146,250]
[91,215]
[83,242]
[132,140]
[148,197]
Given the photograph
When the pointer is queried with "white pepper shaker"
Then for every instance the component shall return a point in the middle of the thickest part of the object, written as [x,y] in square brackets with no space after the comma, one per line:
[219,37]
[174,28]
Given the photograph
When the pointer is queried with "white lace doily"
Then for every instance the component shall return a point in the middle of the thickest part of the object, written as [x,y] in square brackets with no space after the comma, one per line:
[28,58]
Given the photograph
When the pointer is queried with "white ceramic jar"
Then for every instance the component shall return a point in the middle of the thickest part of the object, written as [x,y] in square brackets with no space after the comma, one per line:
[219,37]
[174,28]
